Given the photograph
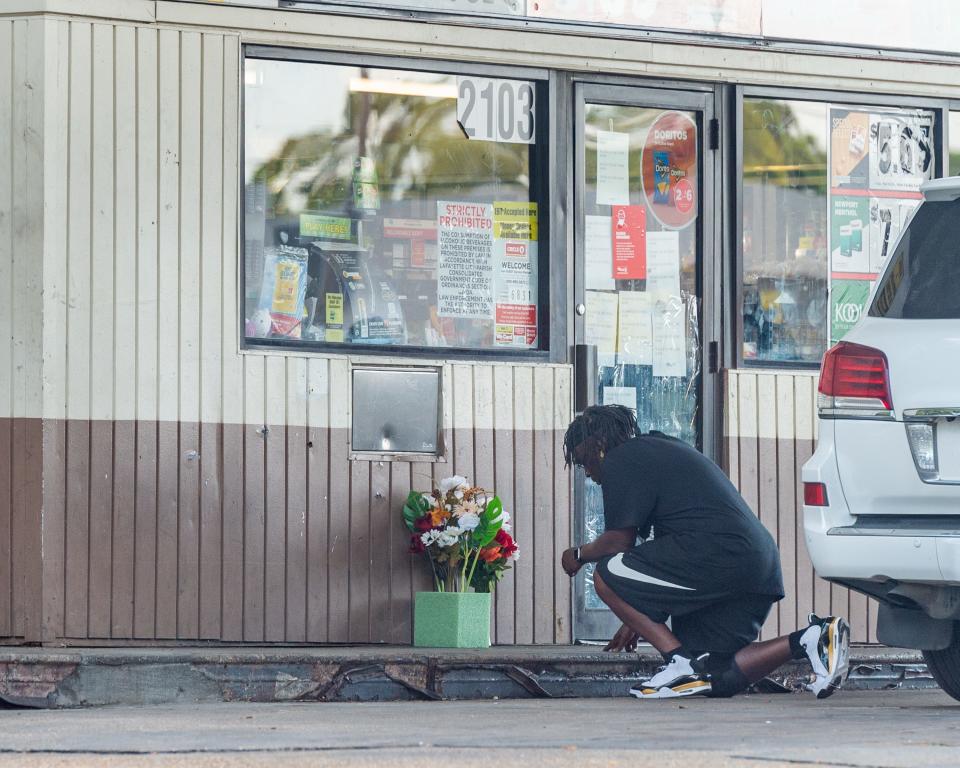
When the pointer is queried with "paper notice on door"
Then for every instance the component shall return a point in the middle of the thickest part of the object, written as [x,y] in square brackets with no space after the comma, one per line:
[600,325]
[598,256]
[613,168]
[663,263]
[628,231]
[620,396]
[669,335]
[635,329]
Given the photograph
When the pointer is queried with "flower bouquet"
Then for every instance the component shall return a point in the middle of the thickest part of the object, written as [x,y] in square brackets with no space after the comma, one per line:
[465,534]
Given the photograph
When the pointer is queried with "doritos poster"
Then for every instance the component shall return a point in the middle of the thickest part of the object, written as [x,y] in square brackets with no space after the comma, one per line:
[669,160]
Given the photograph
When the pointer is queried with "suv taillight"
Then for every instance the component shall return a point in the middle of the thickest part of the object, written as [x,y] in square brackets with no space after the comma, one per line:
[854,383]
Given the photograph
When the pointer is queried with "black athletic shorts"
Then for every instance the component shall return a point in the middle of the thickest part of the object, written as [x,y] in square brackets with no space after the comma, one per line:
[711,608]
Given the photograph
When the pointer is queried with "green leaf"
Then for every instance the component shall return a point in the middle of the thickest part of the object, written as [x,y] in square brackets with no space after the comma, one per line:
[415,506]
[490,523]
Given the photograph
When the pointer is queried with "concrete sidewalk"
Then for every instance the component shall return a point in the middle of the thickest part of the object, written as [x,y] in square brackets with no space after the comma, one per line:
[852,729]
[77,677]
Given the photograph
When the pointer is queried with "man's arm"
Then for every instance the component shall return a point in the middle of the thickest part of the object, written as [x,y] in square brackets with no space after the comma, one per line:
[607,543]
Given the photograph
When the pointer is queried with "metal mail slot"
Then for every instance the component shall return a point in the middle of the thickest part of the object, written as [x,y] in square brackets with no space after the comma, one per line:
[396,410]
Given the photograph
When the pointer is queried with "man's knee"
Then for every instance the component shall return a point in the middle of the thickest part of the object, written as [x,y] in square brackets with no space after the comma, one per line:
[728,680]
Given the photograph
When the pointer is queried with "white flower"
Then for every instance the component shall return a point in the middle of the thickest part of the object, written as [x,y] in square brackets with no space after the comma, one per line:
[468,521]
[467,508]
[427,498]
[505,521]
[449,483]
[516,555]
[429,537]
[448,536]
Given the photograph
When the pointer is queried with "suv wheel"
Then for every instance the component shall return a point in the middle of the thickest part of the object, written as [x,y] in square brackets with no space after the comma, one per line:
[945,667]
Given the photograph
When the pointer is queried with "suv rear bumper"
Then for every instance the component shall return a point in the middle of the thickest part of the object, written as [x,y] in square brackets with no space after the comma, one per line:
[843,552]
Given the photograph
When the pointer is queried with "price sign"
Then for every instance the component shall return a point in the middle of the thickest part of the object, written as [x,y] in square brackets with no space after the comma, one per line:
[496,110]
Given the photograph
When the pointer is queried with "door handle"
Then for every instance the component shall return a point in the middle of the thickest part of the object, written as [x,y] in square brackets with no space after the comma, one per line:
[584,375]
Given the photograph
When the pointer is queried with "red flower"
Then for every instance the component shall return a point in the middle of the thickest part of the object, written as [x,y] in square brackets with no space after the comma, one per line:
[490,554]
[423,524]
[506,543]
[416,545]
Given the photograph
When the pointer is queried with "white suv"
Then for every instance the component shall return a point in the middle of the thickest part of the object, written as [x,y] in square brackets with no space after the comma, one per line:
[882,491]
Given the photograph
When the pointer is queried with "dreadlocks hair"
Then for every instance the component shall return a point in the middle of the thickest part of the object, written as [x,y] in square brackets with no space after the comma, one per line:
[609,425]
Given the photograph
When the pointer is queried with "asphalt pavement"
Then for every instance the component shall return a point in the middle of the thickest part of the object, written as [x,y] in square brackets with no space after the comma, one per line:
[875,729]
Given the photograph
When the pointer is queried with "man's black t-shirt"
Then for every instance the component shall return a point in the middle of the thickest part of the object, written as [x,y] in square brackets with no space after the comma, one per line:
[660,482]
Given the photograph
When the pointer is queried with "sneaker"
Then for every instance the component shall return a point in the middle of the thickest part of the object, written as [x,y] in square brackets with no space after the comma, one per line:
[827,643]
[680,677]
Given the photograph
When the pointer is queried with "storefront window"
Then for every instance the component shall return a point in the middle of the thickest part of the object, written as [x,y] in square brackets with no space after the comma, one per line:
[827,189]
[955,143]
[393,208]
[784,231]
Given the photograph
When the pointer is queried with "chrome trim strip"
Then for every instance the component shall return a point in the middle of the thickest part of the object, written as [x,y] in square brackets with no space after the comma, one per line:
[856,413]
[931,414]
[852,530]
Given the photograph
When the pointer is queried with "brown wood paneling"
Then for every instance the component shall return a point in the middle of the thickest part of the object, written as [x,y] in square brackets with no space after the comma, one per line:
[76,570]
[211,531]
[101,527]
[338,545]
[254,533]
[296,555]
[360,556]
[543,507]
[54,525]
[504,472]
[188,533]
[124,527]
[402,562]
[563,530]
[27,545]
[383,523]
[145,539]
[275,522]
[168,489]
[6,527]
[787,530]
[232,567]
[422,479]
[523,490]
[318,456]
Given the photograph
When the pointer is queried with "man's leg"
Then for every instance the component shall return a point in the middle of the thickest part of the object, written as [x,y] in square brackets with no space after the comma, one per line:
[656,633]
[758,660]
[727,629]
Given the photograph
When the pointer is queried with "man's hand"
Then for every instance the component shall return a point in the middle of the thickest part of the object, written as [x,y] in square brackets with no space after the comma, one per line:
[568,561]
[624,640]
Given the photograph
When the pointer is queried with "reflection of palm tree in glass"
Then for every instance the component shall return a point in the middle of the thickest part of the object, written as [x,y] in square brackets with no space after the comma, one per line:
[777,149]
[419,150]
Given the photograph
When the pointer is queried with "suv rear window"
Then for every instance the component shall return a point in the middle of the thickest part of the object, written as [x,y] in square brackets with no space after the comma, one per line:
[922,280]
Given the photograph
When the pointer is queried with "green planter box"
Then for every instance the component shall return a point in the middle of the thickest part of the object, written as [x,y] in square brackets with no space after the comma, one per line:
[451,620]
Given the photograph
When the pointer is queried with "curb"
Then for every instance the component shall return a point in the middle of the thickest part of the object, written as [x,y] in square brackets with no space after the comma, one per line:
[57,678]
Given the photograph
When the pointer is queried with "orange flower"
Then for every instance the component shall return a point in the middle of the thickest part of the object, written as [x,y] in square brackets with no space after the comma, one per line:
[438,516]
[490,554]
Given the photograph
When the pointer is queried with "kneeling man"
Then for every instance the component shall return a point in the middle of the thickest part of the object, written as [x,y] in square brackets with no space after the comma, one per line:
[711,567]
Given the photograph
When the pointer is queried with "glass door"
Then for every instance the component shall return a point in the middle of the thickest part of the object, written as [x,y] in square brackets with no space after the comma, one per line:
[643,233]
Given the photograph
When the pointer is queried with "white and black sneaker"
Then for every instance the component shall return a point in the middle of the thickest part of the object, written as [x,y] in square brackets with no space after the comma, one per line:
[680,677]
[827,643]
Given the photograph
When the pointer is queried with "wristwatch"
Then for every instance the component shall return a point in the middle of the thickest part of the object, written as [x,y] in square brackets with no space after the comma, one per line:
[576,555]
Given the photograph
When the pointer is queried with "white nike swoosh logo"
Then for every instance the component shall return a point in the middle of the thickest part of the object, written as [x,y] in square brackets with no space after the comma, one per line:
[617,568]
